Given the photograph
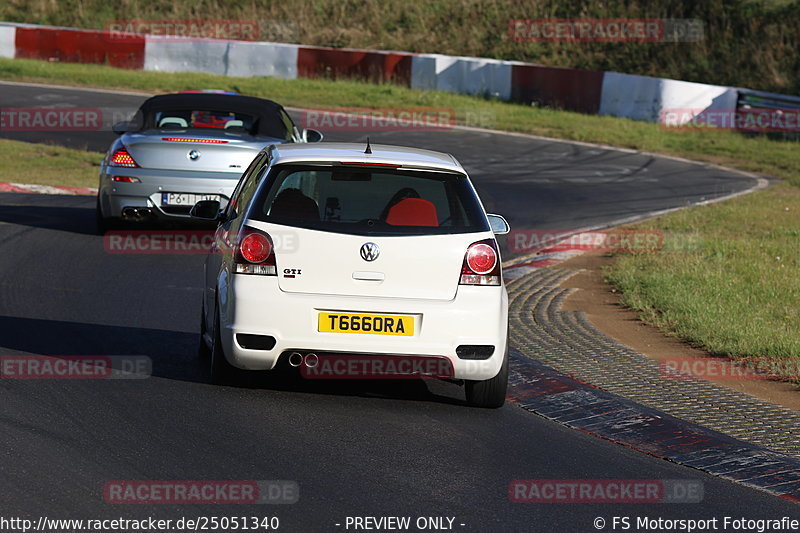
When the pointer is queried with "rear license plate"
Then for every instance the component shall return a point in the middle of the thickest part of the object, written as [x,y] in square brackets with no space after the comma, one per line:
[366,324]
[175,198]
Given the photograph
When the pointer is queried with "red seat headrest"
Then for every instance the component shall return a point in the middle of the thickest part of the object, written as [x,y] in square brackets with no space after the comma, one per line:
[413,212]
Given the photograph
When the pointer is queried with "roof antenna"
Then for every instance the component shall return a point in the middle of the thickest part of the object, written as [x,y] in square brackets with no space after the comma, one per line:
[368,150]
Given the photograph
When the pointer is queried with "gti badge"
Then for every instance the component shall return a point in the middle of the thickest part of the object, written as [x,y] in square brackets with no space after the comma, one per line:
[194,155]
[370,251]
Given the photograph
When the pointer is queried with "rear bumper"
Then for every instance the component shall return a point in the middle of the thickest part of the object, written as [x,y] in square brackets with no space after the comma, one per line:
[476,316]
[114,196]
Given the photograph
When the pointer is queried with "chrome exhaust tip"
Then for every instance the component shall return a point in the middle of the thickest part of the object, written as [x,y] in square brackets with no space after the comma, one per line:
[295,359]
[311,360]
[136,214]
[129,213]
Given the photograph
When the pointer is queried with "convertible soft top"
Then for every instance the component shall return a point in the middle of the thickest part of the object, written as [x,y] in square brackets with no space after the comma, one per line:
[269,121]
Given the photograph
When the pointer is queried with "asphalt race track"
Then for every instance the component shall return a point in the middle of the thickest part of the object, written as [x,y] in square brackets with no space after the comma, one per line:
[535,184]
[369,449]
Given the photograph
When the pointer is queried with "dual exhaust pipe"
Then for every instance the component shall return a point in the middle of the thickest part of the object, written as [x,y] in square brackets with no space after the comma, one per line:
[309,360]
[136,214]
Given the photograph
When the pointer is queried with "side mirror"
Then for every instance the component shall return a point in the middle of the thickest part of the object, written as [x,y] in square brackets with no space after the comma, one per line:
[312,136]
[498,224]
[123,127]
[206,210]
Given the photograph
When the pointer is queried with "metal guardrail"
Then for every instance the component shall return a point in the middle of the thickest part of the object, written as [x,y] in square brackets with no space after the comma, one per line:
[764,100]
[750,101]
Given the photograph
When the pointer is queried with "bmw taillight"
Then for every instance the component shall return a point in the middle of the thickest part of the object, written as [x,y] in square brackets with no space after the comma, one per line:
[255,253]
[122,158]
[481,264]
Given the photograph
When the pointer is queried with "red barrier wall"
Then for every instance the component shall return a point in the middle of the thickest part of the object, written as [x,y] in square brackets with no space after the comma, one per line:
[79,46]
[562,88]
[313,62]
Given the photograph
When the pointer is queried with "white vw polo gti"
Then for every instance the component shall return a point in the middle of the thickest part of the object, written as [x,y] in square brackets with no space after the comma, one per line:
[360,258]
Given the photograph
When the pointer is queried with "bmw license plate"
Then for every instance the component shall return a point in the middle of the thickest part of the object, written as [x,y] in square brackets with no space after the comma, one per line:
[366,324]
[177,198]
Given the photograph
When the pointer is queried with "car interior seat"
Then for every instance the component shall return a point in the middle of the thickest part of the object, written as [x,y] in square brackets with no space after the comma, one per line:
[172,123]
[413,212]
[293,204]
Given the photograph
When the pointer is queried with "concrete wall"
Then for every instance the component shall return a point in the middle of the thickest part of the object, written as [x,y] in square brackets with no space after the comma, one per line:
[645,98]
[7,41]
[464,75]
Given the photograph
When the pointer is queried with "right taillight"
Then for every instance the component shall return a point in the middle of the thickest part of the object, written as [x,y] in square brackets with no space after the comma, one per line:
[481,264]
[255,253]
[122,158]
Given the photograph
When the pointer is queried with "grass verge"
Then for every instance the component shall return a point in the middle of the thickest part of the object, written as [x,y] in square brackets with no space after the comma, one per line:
[726,281]
[44,164]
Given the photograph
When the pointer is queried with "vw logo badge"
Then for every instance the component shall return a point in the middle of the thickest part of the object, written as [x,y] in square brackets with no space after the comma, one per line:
[194,155]
[370,251]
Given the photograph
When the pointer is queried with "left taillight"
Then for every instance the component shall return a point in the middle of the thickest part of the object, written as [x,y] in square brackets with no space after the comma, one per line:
[481,264]
[121,158]
[255,253]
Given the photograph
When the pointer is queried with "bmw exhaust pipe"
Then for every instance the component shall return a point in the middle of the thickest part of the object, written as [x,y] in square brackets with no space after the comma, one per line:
[136,214]
[311,360]
[129,213]
[295,359]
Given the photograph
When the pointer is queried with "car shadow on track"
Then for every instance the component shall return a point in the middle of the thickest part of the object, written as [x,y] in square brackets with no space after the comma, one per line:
[288,380]
[174,357]
[73,219]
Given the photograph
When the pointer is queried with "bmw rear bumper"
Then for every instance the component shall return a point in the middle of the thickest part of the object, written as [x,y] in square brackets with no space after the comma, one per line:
[115,196]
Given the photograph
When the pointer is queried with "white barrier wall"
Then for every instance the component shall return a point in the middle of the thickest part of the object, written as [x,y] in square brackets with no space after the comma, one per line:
[423,72]
[262,59]
[645,98]
[623,95]
[465,75]
[190,55]
[8,35]
[228,58]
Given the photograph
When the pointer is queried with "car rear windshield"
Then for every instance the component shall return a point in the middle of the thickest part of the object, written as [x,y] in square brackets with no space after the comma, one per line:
[369,201]
[204,119]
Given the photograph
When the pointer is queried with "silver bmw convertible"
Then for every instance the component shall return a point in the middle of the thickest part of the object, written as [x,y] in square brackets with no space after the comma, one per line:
[183,148]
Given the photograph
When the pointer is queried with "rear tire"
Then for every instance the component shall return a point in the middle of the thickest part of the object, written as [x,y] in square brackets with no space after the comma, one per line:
[100,223]
[203,351]
[489,393]
[104,224]
[221,370]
